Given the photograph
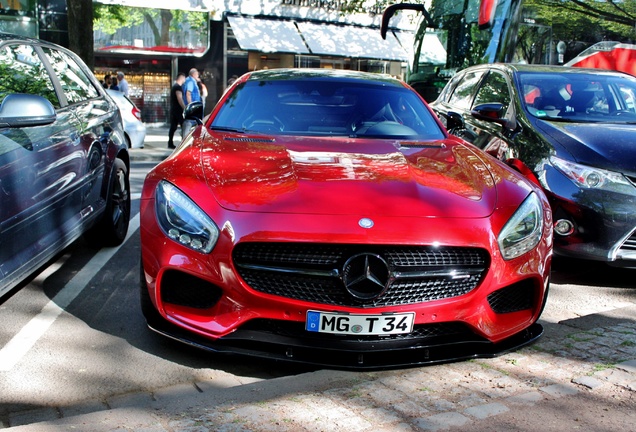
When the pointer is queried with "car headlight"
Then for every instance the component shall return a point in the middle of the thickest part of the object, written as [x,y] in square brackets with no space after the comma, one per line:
[524,229]
[587,177]
[182,220]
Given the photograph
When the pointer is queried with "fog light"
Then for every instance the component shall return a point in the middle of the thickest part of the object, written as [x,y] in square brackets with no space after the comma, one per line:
[563,227]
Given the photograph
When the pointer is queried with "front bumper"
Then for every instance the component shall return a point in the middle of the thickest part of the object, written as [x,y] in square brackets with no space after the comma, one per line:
[259,341]
[603,223]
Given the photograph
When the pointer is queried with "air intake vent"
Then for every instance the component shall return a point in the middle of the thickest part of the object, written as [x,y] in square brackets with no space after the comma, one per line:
[250,140]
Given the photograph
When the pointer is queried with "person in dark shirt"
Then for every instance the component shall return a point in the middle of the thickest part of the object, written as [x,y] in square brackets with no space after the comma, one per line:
[176,107]
[113,84]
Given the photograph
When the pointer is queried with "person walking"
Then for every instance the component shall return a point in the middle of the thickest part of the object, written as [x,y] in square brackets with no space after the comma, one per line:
[191,87]
[123,84]
[176,107]
[191,94]
[113,84]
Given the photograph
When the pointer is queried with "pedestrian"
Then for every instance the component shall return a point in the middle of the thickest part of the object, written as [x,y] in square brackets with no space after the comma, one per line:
[112,83]
[106,82]
[176,107]
[123,84]
[191,87]
[191,94]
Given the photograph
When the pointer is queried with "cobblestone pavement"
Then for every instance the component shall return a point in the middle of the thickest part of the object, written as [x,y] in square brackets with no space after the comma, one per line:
[578,376]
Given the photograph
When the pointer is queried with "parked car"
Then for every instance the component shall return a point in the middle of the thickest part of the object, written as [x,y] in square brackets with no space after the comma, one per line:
[63,158]
[134,128]
[571,131]
[327,217]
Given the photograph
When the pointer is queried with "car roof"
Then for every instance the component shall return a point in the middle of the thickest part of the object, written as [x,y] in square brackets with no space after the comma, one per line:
[322,74]
[10,37]
[5,37]
[522,67]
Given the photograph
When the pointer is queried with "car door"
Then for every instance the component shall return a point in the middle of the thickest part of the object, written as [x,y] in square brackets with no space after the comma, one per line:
[494,137]
[40,201]
[90,109]
[453,104]
[473,89]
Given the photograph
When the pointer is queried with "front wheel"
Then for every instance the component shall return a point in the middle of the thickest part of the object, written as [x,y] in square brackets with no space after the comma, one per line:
[111,230]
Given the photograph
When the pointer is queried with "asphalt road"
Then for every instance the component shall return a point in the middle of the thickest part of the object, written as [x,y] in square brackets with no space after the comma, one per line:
[75,332]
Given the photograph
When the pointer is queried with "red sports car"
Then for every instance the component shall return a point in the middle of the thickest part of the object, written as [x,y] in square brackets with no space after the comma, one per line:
[327,217]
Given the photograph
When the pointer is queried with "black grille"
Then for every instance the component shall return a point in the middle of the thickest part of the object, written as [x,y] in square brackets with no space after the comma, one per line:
[629,245]
[514,298]
[313,272]
[185,290]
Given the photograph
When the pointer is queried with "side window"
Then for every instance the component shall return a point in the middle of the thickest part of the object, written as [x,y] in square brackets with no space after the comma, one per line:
[493,89]
[465,89]
[76,85]
[22,71]
[628,98]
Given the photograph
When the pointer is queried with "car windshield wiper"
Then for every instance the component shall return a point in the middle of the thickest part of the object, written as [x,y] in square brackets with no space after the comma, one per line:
[226,129]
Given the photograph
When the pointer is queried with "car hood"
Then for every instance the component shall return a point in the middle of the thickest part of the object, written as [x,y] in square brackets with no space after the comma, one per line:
[347,176]
[602,145]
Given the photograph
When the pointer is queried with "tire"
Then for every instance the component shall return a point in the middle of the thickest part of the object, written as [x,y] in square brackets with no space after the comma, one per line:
[112,228]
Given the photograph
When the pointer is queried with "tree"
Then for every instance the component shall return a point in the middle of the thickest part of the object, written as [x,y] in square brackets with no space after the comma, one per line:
[587,20]
[110,18]
[80,29]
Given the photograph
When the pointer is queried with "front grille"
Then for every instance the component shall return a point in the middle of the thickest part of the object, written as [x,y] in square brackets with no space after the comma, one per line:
[628,248]
[315,272]
[514,298]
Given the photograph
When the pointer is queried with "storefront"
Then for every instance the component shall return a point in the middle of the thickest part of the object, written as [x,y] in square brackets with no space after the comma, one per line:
[247,36]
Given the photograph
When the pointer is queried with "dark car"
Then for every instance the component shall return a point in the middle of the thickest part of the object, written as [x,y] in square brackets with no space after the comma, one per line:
[63,158]
[573,132]
[327,217]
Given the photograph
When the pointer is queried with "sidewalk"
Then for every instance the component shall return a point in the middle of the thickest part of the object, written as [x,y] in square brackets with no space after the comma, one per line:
[580,375]
[155,145]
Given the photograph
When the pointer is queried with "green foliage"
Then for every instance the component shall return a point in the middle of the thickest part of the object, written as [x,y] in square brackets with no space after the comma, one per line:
[110,18]
[586,20]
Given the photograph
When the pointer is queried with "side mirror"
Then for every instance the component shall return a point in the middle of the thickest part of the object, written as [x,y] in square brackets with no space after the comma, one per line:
[24,110]
[194,111]
[492,112]
[454,121]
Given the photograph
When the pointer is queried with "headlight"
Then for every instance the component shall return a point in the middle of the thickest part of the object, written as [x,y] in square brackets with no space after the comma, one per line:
[523,231]
[182,220]
[587,177]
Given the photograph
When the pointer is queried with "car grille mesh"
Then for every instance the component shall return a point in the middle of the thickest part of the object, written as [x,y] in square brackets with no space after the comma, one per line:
[514,298]
[312,272]
[628,249]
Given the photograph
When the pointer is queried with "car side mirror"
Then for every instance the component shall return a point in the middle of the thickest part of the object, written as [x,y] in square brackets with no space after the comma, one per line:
[24,110]
[194,111]
[492,112]
[454,121]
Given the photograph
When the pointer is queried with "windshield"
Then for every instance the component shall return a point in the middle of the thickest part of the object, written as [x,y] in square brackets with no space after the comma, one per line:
[579,97]
[327,108]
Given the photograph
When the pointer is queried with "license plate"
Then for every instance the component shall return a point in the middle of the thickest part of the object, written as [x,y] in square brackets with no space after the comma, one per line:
[328,322]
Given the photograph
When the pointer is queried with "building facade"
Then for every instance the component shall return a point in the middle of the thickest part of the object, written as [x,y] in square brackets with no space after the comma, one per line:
[243,36]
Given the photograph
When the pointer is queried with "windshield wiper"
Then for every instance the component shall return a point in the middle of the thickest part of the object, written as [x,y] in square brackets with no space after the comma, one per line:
[226,129]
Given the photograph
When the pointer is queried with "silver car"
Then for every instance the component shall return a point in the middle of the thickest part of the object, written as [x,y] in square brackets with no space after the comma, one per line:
[134,128]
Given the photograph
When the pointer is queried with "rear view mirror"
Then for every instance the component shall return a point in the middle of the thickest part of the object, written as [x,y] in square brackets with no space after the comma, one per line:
[24,110]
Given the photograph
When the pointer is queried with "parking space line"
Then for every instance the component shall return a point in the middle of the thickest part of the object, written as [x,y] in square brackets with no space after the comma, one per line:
[24,340]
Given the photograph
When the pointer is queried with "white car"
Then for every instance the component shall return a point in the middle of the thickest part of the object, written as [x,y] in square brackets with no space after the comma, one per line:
[134,128]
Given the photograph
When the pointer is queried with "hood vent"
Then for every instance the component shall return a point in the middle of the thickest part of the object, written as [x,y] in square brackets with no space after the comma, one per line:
[419,144]
[250,140]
